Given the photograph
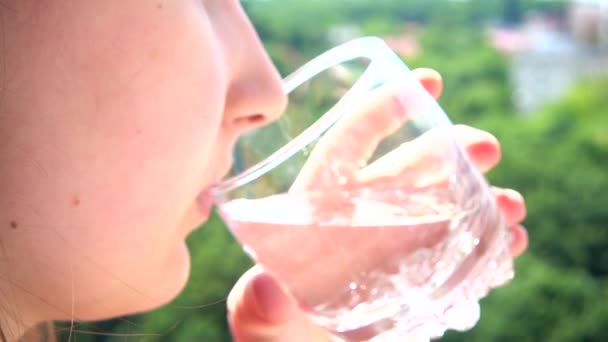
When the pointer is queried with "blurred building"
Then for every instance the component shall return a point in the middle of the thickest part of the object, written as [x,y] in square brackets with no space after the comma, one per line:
[549,53]
[588,21]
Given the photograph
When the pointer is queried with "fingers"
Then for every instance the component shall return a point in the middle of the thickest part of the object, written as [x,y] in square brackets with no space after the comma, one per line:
[430,80]
[427,161]
[417,163]
[520,240]
[512,205]
[261,311]
[257,306]
[348,145]
[482,147]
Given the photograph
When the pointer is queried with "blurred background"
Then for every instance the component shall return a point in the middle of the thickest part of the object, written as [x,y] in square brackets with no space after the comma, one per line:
[532,72]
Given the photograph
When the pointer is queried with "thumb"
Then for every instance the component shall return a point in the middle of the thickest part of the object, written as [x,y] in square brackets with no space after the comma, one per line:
[260,310]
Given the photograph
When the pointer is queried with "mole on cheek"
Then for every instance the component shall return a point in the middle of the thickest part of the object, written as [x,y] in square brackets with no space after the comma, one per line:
[75,202]
[14,224]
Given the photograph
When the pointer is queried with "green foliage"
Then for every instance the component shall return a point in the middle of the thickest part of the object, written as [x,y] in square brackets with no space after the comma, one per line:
[558,160]
[561,158]
[544,303]
[476,83]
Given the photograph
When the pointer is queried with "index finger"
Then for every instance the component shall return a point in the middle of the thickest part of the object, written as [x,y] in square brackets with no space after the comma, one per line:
[348,145]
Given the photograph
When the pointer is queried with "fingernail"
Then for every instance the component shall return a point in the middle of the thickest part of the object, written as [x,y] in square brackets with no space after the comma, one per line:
[270,299]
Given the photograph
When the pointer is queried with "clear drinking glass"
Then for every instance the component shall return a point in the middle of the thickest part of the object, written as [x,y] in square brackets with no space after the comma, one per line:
[363,203]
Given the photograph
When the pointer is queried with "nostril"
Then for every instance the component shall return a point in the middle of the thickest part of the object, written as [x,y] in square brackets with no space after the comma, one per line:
[254,119]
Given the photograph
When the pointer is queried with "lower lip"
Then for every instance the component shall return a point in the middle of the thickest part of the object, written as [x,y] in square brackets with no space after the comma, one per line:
[204,202]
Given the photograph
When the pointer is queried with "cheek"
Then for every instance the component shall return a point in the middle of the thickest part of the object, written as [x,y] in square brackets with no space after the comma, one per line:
[111,155]
[147,120]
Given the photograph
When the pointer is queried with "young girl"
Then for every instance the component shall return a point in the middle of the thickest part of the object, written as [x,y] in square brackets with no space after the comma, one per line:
[114,117]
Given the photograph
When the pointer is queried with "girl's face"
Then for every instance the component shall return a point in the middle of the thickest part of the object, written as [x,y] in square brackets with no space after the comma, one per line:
[114,116]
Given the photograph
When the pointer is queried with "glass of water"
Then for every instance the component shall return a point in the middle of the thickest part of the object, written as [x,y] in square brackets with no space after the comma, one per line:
[363,203]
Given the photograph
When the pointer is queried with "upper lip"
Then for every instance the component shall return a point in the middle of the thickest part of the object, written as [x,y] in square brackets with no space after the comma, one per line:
[222,173]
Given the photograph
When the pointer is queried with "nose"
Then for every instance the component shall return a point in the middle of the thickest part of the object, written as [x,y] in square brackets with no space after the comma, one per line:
[255,93]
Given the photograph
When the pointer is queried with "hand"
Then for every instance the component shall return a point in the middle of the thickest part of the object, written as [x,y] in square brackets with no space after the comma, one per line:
[260,310]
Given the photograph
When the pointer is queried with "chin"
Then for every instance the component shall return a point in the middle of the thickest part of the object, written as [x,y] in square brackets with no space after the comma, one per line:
[158,290]
[172,279]
[106,296]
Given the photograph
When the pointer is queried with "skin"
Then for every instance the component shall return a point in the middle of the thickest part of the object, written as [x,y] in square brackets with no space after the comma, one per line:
[114,116]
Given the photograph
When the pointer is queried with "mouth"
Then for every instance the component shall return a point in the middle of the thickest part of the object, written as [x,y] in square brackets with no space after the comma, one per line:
[204,203]
[205,200]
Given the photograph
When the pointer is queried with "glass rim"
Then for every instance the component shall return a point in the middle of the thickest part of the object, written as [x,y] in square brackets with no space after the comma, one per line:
[372,48]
